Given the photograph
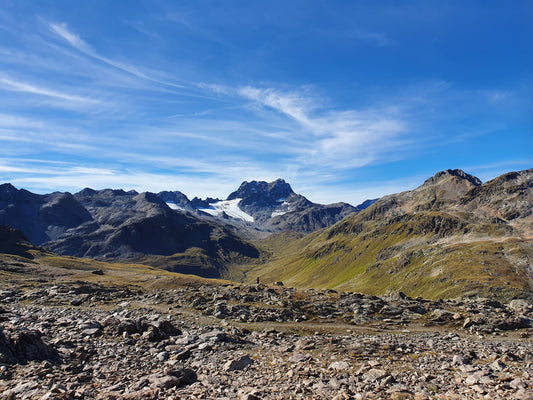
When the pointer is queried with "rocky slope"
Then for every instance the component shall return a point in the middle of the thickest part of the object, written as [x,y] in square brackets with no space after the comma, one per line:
[451,236]
[40,217]
[67,333]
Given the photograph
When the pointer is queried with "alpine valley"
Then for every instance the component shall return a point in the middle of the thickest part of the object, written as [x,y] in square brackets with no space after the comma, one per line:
[425,294]
[452,236]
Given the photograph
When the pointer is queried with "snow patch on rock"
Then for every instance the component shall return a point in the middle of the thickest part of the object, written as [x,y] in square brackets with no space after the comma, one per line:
[230,207]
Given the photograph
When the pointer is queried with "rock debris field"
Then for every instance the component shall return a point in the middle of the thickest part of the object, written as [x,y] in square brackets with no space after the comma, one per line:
[88,341]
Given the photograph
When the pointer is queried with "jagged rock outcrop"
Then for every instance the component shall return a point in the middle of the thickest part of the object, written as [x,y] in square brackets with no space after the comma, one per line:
[263,200]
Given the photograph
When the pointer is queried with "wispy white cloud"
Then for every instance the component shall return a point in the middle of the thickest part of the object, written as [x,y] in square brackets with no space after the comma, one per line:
[335,139]
[319,193]
[497,96]
[141,27]
[75,178]
[8,169]
[293,104]
[74,39]
[18,86]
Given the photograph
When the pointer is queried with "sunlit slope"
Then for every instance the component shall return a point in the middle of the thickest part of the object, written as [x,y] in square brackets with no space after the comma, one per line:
[429,242]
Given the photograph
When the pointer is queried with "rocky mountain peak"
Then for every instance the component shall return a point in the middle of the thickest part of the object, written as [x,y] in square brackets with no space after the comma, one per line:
[269,193]
[449,185]
[8,192]
[86,192]
[177,198]
[279,189]
[514,178]
[443,176]
[7,188]
[148,197]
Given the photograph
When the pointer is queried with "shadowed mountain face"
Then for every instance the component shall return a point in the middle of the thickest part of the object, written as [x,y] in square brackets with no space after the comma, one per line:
[41,217]
[166,228]
[176,200]
[12,241]
[450,236]
[114,224]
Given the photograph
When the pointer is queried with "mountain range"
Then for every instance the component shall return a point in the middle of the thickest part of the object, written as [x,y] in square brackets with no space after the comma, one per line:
[167,230]
[451,236]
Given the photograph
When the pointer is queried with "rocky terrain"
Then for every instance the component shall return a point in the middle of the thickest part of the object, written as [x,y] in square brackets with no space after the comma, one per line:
[448,309]
[86,340]
[77,328]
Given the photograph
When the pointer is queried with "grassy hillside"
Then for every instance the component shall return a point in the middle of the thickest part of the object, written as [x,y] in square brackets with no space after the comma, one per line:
[429,254]
[43,267]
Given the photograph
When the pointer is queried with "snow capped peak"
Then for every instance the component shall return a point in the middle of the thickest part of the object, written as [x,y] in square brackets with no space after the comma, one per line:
[260,191]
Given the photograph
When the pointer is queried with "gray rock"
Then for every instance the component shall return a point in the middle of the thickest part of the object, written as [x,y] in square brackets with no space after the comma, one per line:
[23,346]
[214,336]
[442,315]
[498,365]
[374,375]
[299,358]
[339,366]
[520,306]
[91,332]
[238,364]
[163,381]
[186,376]
[76,302]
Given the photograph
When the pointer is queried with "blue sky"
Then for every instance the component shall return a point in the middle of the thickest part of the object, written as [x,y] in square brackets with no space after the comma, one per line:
[346,100]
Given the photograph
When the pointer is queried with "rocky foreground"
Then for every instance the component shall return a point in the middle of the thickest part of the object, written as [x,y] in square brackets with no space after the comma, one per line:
[85,341]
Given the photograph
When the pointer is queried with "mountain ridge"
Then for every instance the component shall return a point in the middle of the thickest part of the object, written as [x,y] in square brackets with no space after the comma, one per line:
[448,237]
[164,229]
